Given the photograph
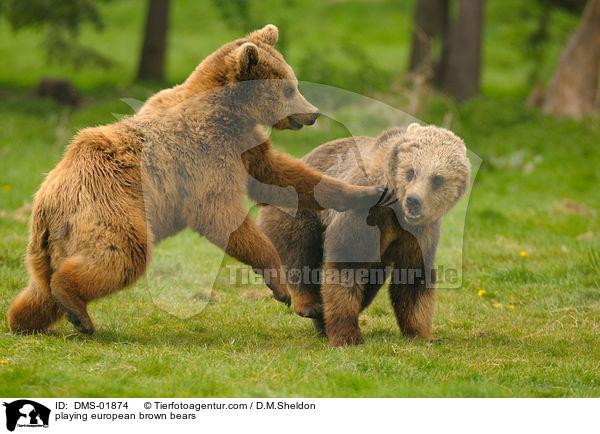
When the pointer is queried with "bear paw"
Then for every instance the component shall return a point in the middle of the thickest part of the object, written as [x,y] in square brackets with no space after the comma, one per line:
[347,337]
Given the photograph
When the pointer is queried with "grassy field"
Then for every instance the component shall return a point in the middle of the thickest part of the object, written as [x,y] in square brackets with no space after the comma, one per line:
[525,321]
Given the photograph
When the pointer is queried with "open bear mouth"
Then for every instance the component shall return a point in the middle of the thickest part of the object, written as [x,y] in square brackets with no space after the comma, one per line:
[294,124]
[411,218]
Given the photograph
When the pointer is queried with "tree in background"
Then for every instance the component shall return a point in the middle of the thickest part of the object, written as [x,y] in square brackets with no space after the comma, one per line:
[431,22]
[61,20]
[573,89]
[152,59]
[460,65]
[457,71]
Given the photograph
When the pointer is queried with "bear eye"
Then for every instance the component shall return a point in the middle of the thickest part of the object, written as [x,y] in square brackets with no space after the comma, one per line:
[437,181]
[410,174]
[289,92]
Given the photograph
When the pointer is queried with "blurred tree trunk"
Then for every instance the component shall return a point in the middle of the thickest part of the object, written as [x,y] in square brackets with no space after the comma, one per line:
[460,65]
[573,89]
[152,61]
[431,21]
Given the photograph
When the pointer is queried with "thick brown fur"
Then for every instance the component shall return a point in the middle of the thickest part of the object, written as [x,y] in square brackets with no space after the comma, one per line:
[187,159]
[429,163]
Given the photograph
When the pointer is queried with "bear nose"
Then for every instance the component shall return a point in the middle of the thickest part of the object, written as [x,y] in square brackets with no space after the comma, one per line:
[316,115]
[413,203]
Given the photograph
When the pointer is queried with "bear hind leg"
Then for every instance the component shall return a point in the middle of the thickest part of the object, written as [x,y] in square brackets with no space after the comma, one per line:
[319,324]
[33,311]
[342,304]
[79,281]
[307,304]
[67,286]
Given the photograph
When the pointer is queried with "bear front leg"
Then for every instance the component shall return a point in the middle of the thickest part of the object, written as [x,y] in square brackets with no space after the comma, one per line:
[314,190]
[240,238]
[250,246]
[414,306]
[412,287]
[342,303]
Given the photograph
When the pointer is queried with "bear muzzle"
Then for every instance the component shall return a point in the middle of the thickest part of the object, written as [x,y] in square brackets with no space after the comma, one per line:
[302,119]
[413,208]
[297,121]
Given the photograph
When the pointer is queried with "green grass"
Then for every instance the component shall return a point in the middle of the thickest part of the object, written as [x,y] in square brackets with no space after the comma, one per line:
[243,343]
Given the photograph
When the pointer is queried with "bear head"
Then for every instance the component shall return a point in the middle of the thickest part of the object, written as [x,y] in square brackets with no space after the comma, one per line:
[428,168]
[264,85]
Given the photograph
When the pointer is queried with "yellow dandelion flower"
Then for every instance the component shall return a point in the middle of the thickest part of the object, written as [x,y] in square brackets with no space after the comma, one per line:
[498,305]
[523,253]
[510,306]
[481,292]
[512,298]
[3,362]
[6,188]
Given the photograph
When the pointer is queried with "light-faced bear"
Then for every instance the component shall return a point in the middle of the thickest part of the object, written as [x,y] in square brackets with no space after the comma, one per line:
[354,252]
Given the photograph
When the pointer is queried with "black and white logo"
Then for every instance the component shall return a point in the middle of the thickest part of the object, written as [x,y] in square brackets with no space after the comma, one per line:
[25,413]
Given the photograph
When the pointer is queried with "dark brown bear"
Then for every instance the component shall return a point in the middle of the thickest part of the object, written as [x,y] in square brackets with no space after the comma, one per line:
[356,251]
[187,159]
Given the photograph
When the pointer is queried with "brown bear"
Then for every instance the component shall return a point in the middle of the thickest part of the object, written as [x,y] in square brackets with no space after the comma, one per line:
[187,159]
[337,261]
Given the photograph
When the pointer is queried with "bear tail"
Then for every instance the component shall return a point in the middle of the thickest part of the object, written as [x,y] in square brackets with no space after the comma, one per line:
[35,308]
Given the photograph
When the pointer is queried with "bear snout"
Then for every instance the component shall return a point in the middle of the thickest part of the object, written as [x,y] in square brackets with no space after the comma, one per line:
[413,204]
[305,118]
[413,208]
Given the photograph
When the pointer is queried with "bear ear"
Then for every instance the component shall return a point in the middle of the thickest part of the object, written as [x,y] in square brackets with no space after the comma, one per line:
[247,56]
[384,138]
[412,126]
[269,34]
